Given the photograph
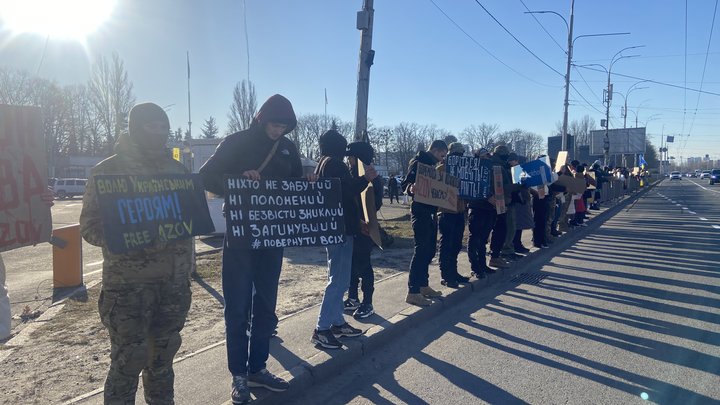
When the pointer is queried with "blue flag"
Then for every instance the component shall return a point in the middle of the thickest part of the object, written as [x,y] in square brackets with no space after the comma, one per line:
[641,161]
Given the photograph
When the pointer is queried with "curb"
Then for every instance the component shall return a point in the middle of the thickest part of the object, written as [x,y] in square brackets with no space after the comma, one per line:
[324,365]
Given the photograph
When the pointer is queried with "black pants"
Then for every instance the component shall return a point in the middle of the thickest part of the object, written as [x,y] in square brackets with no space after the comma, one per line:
[424,224]
[394,193]
[498,235]
[452,228]
[517,239]
[480,224]
[362,269]
[540,218]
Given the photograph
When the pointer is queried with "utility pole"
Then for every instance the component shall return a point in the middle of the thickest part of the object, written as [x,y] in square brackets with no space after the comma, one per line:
[367,56]
[567,74]
[188,88]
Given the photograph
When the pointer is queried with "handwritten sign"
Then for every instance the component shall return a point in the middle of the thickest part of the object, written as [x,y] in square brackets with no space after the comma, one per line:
[24,218]
[561,160]
[571,184]
[274,213]
[436,188]
[369,212]
[139,211]
[499,190]
[474,176]
[537,173]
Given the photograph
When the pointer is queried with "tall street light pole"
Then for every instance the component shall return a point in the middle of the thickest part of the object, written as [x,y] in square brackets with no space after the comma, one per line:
[569,52]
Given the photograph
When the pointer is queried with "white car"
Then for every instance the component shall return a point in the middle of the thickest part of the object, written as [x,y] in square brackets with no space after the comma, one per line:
[68,188]
[705,174]
[675,176]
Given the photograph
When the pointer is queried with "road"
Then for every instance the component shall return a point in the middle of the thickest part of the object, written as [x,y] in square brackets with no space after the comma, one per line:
[628,314]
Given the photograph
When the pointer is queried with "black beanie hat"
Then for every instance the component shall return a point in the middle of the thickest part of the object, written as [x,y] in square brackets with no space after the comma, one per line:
[332,144]
[362,151]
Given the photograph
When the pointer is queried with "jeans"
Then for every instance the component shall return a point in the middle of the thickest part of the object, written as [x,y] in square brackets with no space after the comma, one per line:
[362,269]
[424,225]
[508,247]
[242,270]
[480,224]
[452,228]
[339,258]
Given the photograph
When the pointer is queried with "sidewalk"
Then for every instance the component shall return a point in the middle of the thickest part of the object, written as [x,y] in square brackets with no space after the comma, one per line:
[202,377]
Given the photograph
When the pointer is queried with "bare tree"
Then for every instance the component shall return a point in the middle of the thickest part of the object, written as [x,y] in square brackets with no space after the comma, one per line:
[210,128]
[111,93]
[405,141]
[480,136]
[307,134]
[15,87]
[243,107]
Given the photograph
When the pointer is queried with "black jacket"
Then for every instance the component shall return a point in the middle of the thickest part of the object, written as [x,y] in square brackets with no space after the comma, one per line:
[333,166]
[247,150]
[424,158]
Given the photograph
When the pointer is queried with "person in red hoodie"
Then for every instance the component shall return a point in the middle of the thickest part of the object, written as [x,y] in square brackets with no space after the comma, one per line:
[260,151]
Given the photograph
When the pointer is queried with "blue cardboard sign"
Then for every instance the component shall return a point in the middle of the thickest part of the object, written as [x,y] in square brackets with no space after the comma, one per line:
[537,173]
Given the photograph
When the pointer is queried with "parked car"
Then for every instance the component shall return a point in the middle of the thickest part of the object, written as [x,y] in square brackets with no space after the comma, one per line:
[714,176]
[68,188]
[675,176]
[705,174]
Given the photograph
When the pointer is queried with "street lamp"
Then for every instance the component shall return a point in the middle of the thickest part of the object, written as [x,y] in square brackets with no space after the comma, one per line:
[569,52]
[625,98]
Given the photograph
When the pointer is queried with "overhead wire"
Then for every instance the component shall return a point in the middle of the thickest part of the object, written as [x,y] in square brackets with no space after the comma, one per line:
[476,42]
[650,81]
[517,40]
[543,27]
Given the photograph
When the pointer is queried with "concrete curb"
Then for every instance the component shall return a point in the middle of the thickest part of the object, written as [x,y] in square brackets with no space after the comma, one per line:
[325,365]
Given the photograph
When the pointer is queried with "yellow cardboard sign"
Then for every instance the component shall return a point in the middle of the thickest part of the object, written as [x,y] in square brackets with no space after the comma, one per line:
[176,154]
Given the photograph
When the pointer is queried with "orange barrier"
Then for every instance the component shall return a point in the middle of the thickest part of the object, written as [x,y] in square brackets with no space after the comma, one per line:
[67,257]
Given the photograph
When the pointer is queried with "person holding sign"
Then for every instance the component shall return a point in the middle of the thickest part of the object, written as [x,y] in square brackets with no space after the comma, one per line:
[424,224]
[482,215]
[259,151]
[145,293]
[331,323]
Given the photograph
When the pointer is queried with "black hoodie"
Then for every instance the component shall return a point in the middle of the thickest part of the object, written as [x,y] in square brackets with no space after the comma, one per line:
[247,150]
[424,158]
[332,149]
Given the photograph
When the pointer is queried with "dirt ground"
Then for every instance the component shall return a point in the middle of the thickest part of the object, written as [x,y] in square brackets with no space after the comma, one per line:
[69,355]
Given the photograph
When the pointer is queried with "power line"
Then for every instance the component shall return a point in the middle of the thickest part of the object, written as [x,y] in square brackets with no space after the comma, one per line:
[517,40]
[587,84]
[649,80]
[702,79]
[543,27]
[485,49]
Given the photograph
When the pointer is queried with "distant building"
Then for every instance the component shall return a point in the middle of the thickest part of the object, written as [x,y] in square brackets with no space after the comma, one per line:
[75,166]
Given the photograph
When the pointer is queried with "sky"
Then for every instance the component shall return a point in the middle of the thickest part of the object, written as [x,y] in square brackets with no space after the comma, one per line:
[442,62]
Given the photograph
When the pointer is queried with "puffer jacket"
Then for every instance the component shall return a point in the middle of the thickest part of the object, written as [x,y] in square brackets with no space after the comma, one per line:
[165,261]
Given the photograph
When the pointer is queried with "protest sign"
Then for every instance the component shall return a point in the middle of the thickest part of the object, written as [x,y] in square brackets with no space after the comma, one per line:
[273,213]
[369,212]
[561,160]
[593,180]
[140,212]
[537,173]
[499,190]
[474,176]
[436,188]
[24,217]
[571,184]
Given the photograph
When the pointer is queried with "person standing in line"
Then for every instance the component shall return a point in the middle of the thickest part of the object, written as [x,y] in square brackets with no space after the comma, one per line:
[331,323]
[482,215]
[145,295]
[262,150]
[362,153]
[500,156]
[452,229]
[424,225]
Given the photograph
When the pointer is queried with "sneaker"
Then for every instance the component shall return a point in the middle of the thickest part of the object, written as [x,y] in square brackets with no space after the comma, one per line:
[450,283]
[345,330]
[351,304]
[325,339]
[417,299]
[267,380]
[479,274]
[363,311]
[498,262]
[429,292]
[462,279]
[521,249]
[240,391]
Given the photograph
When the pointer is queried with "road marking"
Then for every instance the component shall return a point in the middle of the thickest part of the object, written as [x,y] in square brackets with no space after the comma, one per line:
[693,212]
[678,205]
[92,272]
[703,219]
[685,208]
[705,188]
[672,201]
[95,263]
[716,226]
[72,205]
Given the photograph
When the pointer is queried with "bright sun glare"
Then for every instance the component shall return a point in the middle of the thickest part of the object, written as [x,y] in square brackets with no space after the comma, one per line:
[69,19]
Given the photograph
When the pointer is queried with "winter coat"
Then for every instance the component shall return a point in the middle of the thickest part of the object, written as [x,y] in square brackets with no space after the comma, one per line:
[248,149]
[424,158]
[165,261]
[523,211]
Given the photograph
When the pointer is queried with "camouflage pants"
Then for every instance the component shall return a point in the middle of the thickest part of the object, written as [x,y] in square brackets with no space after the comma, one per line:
[144,323]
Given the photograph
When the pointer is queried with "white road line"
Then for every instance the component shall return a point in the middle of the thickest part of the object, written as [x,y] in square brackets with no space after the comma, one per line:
[685,208]
[673,202]
[95,263]
[72,205]
[702,219]
[678,205]
[92,272]
[716,226]
[693,212]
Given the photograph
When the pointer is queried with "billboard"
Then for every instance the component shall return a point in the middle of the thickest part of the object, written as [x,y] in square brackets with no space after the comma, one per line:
[622,140]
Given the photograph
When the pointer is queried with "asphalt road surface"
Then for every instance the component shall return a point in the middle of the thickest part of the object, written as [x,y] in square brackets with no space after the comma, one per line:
[628,314]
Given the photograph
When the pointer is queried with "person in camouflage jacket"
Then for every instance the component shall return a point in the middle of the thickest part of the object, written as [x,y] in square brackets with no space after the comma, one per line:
[145,294]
